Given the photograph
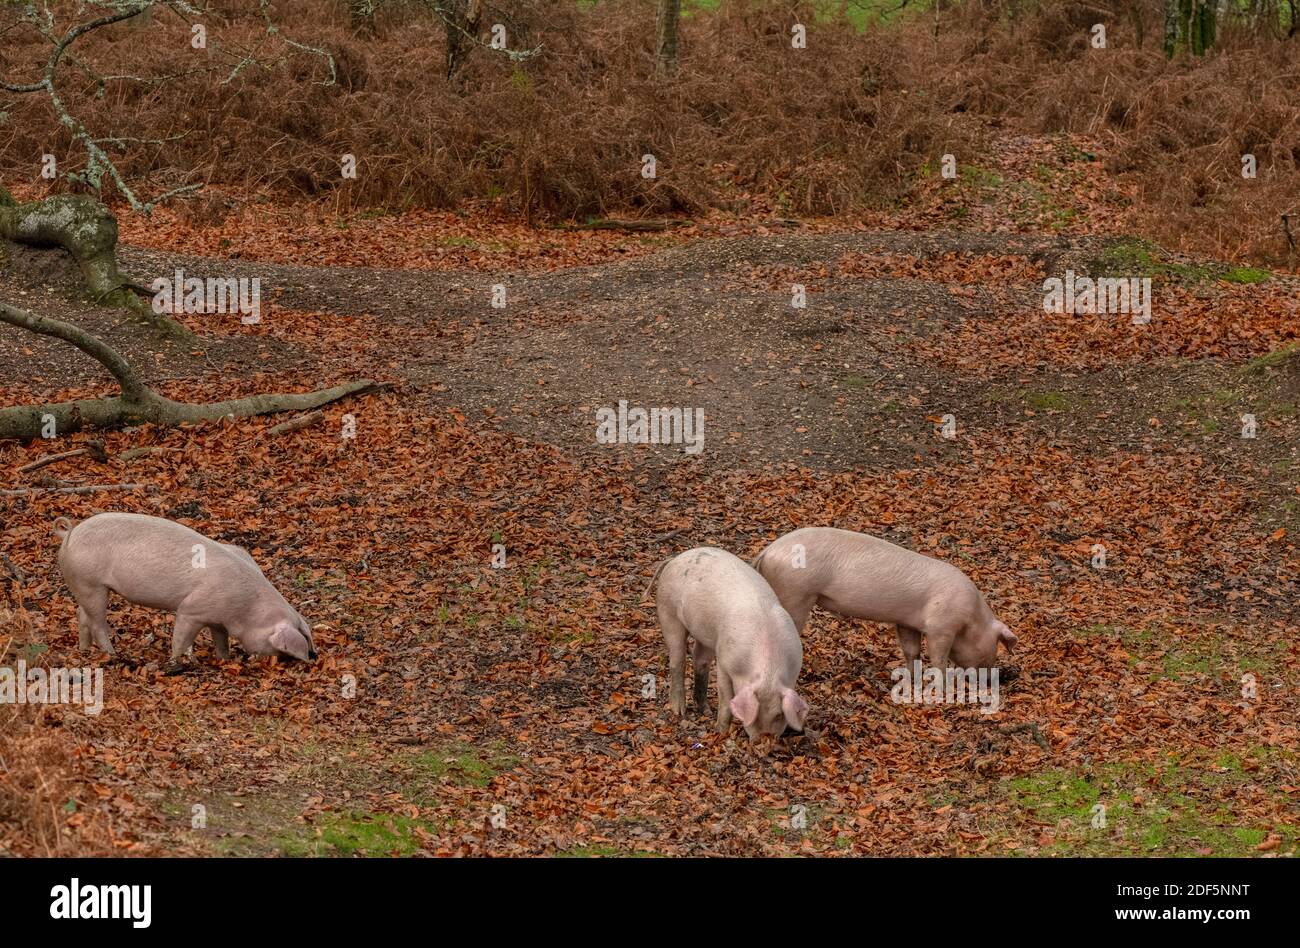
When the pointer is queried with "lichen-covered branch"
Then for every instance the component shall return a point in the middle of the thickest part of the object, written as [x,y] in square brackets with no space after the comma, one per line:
[87,230]
[98,163]
[132,385]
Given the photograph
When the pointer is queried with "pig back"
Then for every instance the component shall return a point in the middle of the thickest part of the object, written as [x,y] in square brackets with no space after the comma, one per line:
[857,574]
[153,562]
[709,589]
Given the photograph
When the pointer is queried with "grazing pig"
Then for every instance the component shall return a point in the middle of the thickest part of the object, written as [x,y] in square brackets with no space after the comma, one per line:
[163,565]
[732,614]
[858,575]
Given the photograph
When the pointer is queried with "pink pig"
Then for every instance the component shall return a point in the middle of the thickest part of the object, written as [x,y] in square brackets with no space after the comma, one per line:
[163,565]
[732,614]
[855,574]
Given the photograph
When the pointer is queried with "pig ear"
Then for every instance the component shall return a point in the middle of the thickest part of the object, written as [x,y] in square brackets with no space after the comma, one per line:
[1009,638]
[289,640]
[745,706]
[795,708]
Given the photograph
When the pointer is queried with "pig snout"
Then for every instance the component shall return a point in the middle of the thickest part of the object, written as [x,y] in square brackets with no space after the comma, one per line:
[1006,636]
[293,640]
[978,647]
[770,713]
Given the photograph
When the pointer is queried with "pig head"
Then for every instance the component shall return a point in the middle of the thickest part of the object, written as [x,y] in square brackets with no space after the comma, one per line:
[164,565]
[731,615]
[767,708]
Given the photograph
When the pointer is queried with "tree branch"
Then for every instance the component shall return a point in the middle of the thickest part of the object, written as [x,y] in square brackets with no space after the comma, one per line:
[133,387]
[138,404]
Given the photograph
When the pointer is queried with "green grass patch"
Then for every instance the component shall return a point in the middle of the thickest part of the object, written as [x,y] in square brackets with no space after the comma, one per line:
[1210,408]
[1048,401]
[1271,360]
[463,764]
[1245,275]
[358,834]
[1133,257]
[1178,806]
[860,14]
[1040,205]
[1193,652]
[374,213]
[979,177]
[1243,390]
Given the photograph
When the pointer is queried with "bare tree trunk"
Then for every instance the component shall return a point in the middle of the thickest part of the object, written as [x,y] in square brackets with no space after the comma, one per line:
[1190,26]
[1139,24]
[83,227]
[460,20]
[137,404]
[87,230]
[666,35]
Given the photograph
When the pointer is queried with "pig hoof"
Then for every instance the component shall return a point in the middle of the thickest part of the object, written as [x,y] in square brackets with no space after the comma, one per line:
[176,668]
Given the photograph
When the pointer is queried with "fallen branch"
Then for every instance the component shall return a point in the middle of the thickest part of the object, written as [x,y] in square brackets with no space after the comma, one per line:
[130,454]
[294,424]
[605,223]
[671,534]
[83,489]
[94,448]
[138,404]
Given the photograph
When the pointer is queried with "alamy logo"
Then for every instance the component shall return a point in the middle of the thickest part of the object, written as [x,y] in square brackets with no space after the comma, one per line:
[103,901]
[979,686]
[651,426]
[23,685]
[1105,295]
[182,294]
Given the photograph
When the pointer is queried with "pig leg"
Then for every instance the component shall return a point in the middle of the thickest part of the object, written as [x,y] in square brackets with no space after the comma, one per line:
[799,610]
[675,638]
[83,629]
[92,619]
[909,640]
[184,633]
[221,641]
[939,641]
[725,694]
[702,658]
